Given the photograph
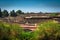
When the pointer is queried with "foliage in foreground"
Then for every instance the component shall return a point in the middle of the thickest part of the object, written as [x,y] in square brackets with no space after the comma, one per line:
[9,31]
[49,30]
[13,32]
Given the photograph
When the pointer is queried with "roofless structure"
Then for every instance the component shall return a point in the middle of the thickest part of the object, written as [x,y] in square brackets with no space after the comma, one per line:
[30,21]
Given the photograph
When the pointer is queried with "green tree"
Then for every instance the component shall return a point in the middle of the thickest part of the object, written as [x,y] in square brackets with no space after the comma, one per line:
[0,13]
[5,13]
[13,14]
[19,12]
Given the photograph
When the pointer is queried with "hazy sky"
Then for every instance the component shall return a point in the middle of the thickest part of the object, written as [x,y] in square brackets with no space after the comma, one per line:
[31,5]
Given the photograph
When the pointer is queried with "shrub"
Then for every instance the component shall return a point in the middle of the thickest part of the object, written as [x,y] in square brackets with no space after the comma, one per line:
[13,32]
[49,30]
[9,31]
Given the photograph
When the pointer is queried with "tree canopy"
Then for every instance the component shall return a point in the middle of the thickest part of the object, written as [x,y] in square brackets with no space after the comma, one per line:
[13,14]
[5,13]
[0,13]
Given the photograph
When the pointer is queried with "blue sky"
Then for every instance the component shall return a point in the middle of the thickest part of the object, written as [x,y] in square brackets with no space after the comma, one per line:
[31,5]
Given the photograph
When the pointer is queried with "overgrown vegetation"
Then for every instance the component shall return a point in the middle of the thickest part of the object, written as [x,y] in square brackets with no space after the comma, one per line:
[9,31]
[49,30]
[13,32]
